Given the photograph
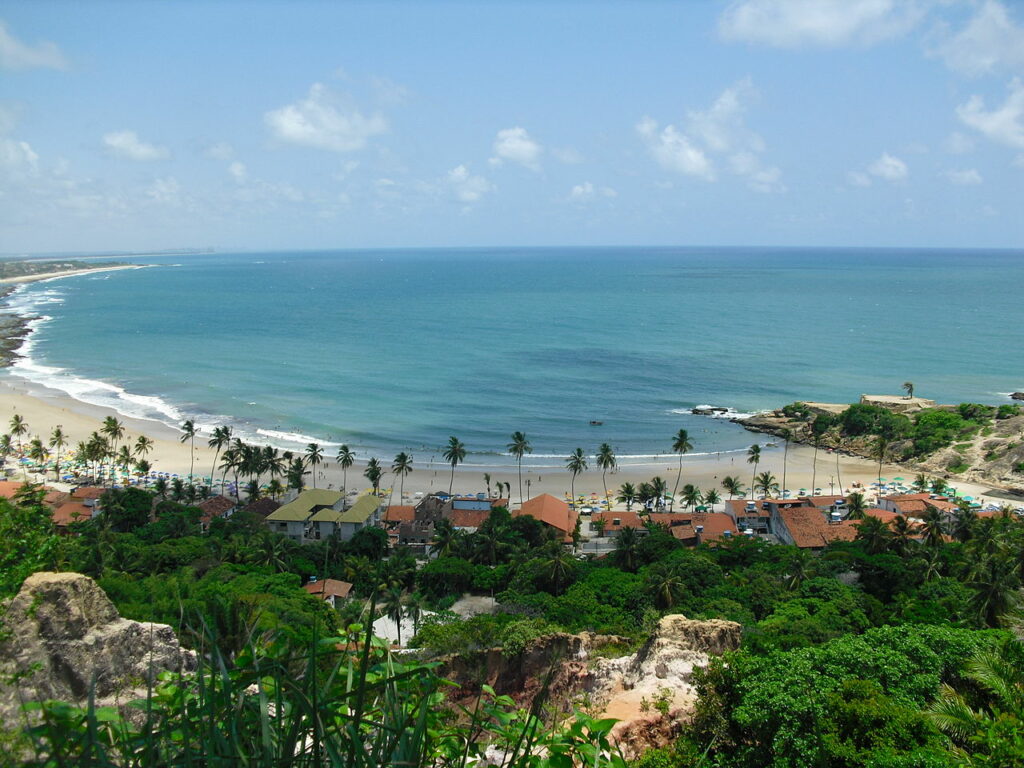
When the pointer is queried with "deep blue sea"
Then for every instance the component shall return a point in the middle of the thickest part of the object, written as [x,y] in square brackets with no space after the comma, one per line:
[391,350]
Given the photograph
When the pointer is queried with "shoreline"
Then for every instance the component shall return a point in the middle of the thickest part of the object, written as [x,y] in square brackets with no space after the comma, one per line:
[44,408]
[44,276]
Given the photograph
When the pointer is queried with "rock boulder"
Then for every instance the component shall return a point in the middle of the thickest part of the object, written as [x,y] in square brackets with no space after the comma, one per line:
[62,637]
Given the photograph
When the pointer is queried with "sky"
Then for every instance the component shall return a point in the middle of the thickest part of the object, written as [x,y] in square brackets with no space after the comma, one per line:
[272,125]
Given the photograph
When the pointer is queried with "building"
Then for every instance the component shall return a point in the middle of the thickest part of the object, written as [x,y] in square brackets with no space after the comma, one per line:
[292,518]
[332,521]
[329,590]
[215,506]
[806,527]
[703,528]
[917,504]
[553,512]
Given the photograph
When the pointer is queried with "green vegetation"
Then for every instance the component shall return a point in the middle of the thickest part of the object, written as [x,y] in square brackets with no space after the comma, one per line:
[880,651]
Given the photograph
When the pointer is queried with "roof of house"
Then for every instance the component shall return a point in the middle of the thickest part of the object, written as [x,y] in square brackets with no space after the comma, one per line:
[625,520]
[822,501]
[71,512]
[54,497]
[359,512]
[262,507]
[738,507]
[468,518]
[908,506]
[302,506]
[88,492]
[549,510]
[215,506]
[328,588]
[9,487]
[809,529]
[400,513]
[715,524]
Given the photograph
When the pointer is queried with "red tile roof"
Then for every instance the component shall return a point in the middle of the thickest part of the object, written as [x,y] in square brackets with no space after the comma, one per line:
[822,501]
[715,524]
[400,513]
[71,512]
[215,506]
[468,518]
[625,520]
[8,488]
[326,588]
[808,528]
[738,507]
[88,492]
[552,511]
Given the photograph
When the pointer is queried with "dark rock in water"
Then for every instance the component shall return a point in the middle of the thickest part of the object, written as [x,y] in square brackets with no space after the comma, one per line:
[63,638]
[1017,396]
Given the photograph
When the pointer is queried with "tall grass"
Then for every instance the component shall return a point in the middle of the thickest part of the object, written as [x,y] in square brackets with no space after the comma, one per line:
[343,702]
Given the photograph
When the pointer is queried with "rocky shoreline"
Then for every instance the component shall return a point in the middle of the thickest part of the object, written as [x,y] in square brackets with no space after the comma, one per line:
[13,330]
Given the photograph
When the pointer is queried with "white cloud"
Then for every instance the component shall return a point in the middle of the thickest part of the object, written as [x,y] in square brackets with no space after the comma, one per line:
[18,156]
[826,23]
[166,192]
[958,144]
[567,155]
[889,168]
[127,144]
[220,151]
[466,187]
[1004,125]
[323,121]
[585,192]
[238,171]
[858,179]
[989,43]
[719,130]
[965,178]
[673,151]
[515,146]
[15,54]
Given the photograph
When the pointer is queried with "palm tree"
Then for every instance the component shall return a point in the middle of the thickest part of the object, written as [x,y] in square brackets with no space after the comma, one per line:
[855,506]
[557,567]
[666,584]
[732,484]
[627,495]
[659,488]
[963,523]
[766,484]
[314,457]
[626,548]
[996,589]
[881,446]
[6,447]
[575,463]
[934,528]
[711,498]
[921,483]
[908,387]
[692,495]
[274,488]
[902,534]
[296,472]
[519,446]
[401,466]
[38,453]
[444,538]
[230,461]
[753,457]
[346,458]
[605,460]
[188,435]
[681,445]
[114,431]
[373,473]
[786,435]
[455,454]
[487,482]
[19,428]
[124,458]
[874,533]
[57,441]
[221,437]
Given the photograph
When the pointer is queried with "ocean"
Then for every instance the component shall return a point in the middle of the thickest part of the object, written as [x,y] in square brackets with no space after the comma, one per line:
[396,350]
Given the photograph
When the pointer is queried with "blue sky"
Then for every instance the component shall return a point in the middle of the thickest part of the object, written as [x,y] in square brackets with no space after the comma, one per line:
[270,125]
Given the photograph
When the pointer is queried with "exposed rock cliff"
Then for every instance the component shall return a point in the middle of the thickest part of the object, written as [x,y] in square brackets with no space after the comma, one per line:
[61,636]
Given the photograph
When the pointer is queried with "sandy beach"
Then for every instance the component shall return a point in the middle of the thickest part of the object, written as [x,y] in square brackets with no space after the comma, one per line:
[43,409]
[66,273]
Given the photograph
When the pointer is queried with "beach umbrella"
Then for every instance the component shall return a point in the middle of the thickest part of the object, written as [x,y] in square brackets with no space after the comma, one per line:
[968,498]
[882,480]
[702,508]
[899,479]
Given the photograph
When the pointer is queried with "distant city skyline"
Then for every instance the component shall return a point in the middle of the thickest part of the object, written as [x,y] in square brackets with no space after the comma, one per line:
[230,125]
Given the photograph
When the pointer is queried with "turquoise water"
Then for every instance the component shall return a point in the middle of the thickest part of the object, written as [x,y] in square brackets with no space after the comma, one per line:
[391,350]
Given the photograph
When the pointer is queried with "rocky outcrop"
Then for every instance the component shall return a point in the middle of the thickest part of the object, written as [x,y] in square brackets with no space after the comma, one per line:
[651,692]
[62,638]
[1017,395]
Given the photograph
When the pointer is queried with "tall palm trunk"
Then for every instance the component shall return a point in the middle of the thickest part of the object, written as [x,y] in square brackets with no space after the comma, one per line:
[675,490]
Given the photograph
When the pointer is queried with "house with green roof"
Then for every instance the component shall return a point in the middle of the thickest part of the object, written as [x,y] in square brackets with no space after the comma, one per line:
[292,519]
[332,521]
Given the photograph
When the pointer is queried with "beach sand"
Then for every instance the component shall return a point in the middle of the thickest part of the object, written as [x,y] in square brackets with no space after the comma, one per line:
[43,409]
[66,273]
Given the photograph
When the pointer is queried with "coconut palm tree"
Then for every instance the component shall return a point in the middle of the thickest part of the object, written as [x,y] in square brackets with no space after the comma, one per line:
[881,447]
[373,473]
[19,428]
[188,435]
[575,463]
[38,453]
[296,473]
[786,435]
[114,431]
[455,454]
[855,506]
[557,567]
[711,498]
[401,466]
[921,483]
[57,441]
[518,447]
[124,458]
[963,523]
[659,488]
[444,539]
[766,484]
[346,458]
[753,457]
[934,528]
[6,447]
[221,437]
[274,488]
[680,444]
[313,458]
[627,495]
[732,484]
[908,387]
[626,548]
[230,461]
[605,460]
[692,495]
[874,533]
[902,534]
[666,585]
